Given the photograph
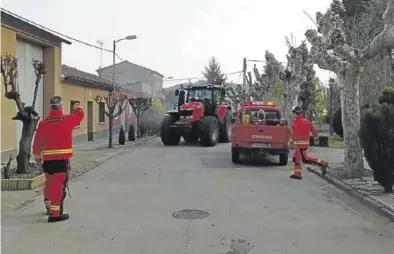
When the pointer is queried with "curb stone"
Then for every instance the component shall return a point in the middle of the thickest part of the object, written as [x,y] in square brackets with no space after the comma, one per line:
[91,166]
[365,199]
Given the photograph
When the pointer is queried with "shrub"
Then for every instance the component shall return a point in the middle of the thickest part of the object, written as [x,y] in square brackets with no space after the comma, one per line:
[121,138]
[131,134]
[377,139]
[337,123]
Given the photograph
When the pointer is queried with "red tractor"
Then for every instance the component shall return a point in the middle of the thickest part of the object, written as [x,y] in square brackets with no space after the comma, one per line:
[201,114]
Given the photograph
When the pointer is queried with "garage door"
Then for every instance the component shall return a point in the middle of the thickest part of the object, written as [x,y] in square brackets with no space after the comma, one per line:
[25,52]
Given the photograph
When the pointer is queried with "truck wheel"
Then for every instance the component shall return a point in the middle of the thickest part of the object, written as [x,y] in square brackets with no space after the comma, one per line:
[168,136]
[209,131]
[190,137]
[225,134]
[283,159]
[234,155]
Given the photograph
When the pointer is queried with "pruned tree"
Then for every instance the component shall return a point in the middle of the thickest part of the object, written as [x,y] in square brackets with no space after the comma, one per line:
[236,96]
[26,114]
[213,72]
[140,105]
[272,71]
[113,107]
[332,51]
[294,75]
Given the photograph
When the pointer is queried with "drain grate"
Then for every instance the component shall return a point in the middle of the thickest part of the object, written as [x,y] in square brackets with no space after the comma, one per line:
[190,214]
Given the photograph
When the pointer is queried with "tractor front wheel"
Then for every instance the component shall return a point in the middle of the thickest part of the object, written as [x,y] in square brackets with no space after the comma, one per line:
[168,136]
[209,127]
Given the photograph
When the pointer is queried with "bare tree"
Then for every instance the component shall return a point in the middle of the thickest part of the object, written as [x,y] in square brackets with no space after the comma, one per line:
[236,96]
[113,107]
[332,51]
[140,105]
[26,114]
[272,71]
[294,75]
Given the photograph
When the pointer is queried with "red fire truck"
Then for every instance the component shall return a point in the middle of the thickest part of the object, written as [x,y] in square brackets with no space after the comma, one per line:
[259,127]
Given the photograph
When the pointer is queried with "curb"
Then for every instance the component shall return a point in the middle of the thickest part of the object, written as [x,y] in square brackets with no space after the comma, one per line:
[88,168]
[20,184]
[365,199]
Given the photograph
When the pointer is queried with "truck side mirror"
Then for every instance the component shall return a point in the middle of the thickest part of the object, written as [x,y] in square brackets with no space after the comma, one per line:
[181,98]
[176,92]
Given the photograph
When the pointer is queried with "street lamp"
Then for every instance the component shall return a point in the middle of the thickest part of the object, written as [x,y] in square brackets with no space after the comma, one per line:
[129,37]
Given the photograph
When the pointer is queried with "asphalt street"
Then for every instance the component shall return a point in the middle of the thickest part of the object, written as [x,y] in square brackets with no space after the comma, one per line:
[126,206]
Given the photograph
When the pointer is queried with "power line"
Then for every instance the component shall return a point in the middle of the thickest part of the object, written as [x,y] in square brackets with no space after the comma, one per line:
[58,33]
[179,79]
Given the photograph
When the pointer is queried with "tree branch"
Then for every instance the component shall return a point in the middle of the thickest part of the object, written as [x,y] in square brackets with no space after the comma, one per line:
[384,40]
[122,104]
[320,55]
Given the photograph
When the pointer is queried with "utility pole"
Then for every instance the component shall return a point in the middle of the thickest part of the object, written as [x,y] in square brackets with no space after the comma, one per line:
[244,67]
[101,43]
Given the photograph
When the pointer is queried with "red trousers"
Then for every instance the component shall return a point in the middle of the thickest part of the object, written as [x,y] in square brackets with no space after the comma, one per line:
[300,156]
[56,179]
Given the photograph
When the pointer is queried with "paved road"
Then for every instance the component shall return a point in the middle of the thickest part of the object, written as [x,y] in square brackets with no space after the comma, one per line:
[125,206]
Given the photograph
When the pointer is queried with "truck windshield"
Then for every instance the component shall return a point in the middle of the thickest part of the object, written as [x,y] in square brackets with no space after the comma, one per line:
[199,95]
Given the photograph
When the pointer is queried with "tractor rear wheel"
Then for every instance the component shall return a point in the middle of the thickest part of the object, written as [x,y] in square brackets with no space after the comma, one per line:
[190,137]
[209,127]
[168,136]
[225,133]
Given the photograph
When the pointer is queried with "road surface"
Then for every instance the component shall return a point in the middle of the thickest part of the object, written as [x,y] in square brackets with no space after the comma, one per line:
[125,206]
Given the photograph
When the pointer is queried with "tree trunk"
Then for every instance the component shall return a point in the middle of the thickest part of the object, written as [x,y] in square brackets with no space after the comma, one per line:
[25,143]
[138,128]
[350,102]
[110,124]
[289,101]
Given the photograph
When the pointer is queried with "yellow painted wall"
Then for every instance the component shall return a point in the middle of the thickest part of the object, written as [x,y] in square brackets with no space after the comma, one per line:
[8,108]
[83,94]
[52,60]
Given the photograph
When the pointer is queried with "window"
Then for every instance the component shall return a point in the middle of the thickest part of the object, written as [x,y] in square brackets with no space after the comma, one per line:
[72,104]
[102,112]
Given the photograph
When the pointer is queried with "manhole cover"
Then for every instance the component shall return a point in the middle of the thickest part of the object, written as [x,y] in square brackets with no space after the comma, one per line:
[190,214]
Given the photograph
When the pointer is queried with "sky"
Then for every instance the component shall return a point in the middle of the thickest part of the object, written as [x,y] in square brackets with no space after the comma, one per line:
[174,37]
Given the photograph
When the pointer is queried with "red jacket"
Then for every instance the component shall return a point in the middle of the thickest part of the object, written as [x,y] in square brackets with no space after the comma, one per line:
[301,130]
[53,139]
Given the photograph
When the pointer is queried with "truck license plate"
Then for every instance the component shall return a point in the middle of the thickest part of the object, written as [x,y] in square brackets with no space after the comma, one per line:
[261,145]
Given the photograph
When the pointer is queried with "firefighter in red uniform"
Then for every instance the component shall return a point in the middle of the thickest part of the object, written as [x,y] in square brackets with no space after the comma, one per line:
[53,147]
[301,130]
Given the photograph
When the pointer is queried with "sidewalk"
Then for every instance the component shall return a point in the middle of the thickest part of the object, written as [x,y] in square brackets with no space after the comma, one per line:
[366,189]
[86,157]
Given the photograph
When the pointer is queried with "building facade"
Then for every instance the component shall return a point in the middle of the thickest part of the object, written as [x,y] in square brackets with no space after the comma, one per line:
[27,42]
[82,88]
[133,76]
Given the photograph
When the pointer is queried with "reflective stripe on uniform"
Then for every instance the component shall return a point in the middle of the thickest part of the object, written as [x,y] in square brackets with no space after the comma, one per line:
[59,151]
[55,208]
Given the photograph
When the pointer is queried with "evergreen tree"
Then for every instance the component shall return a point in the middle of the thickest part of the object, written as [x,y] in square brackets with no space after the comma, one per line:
[121,138]
[213,72]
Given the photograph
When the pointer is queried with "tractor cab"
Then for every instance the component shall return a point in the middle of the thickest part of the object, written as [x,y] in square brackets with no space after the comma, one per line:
[200,95]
